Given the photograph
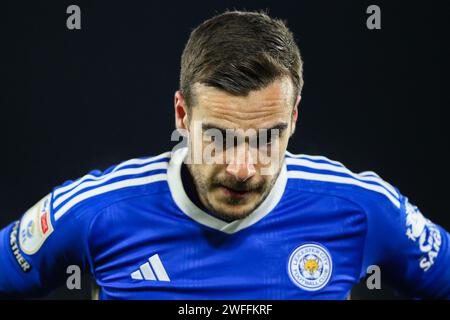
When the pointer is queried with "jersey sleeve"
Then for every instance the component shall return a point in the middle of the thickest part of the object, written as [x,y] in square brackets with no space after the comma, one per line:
[38,251]
[412,252]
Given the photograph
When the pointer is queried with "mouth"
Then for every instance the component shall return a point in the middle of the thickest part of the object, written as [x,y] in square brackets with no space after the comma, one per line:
[235,194]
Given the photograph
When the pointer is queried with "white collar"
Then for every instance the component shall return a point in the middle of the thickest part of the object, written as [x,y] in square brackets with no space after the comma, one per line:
[190,209]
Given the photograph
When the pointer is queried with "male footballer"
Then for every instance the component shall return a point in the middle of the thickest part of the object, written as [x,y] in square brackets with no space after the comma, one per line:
[232,214]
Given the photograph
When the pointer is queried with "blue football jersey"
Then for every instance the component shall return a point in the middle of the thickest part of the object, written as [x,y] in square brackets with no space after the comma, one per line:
[134,228]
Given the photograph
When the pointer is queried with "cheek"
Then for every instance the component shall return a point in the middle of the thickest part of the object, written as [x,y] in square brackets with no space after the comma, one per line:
[284,141]
[283,146]
[206,173]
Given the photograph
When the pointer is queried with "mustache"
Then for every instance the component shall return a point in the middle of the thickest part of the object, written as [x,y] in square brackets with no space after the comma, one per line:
[239,186]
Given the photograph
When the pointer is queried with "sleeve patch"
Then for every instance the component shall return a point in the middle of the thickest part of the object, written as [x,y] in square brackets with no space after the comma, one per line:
[35,226]
[23,263]
[425,233]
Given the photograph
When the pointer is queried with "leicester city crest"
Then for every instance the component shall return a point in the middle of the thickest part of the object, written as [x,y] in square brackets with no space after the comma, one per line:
[310,267]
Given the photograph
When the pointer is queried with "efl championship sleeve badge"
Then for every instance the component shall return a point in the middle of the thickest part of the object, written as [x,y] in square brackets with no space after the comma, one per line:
[35,226]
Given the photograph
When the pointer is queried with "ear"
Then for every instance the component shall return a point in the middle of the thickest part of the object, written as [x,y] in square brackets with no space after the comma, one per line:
[295,114]
[181,114]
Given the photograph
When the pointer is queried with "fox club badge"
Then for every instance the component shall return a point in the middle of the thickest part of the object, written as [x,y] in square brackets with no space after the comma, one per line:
[310,267]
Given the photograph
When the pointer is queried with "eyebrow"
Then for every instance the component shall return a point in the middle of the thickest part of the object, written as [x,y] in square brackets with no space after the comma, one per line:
[282,126]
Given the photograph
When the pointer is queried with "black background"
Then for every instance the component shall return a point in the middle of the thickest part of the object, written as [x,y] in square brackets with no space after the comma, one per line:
[75,100]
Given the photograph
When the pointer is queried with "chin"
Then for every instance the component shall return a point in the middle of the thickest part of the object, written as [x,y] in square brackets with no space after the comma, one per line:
[234,211]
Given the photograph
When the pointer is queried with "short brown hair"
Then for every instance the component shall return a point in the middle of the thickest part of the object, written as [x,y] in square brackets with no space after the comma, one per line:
[239,52]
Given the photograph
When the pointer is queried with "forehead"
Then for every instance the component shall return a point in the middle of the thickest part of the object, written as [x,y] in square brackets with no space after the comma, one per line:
[259,109]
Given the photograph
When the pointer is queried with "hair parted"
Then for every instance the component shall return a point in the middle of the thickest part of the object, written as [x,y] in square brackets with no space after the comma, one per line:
[238,52]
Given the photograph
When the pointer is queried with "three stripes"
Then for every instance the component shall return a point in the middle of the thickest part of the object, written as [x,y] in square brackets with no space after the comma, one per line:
[153,269]
[127,174]
[316,168]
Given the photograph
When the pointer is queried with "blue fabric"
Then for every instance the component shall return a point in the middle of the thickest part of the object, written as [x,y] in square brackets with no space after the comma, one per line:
[112,234]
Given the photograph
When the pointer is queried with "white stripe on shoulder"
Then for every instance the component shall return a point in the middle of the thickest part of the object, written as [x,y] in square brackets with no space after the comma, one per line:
[338,179]
[324,166]
[369,174]
[305,156]
[74,184]
[107,188]
[110,176]
[143,161]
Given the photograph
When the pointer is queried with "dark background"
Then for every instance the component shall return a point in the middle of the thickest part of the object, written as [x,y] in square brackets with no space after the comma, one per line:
[76,100]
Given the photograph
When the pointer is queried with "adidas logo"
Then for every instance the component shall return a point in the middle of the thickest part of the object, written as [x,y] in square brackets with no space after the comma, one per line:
[151,270]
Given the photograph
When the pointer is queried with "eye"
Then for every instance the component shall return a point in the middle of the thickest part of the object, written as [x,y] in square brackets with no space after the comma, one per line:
[266,139]
[217,140]
[213,135]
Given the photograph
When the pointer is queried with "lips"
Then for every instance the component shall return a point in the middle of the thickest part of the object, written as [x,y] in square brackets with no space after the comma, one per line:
[234,193]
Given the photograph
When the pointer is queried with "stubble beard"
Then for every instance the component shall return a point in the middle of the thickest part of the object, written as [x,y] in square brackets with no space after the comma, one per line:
[202,190]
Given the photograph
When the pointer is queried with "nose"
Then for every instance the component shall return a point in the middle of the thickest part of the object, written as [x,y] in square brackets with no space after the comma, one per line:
[242,169]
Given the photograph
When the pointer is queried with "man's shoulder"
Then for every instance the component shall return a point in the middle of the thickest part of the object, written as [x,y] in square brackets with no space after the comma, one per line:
[99,189]
[321,175]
